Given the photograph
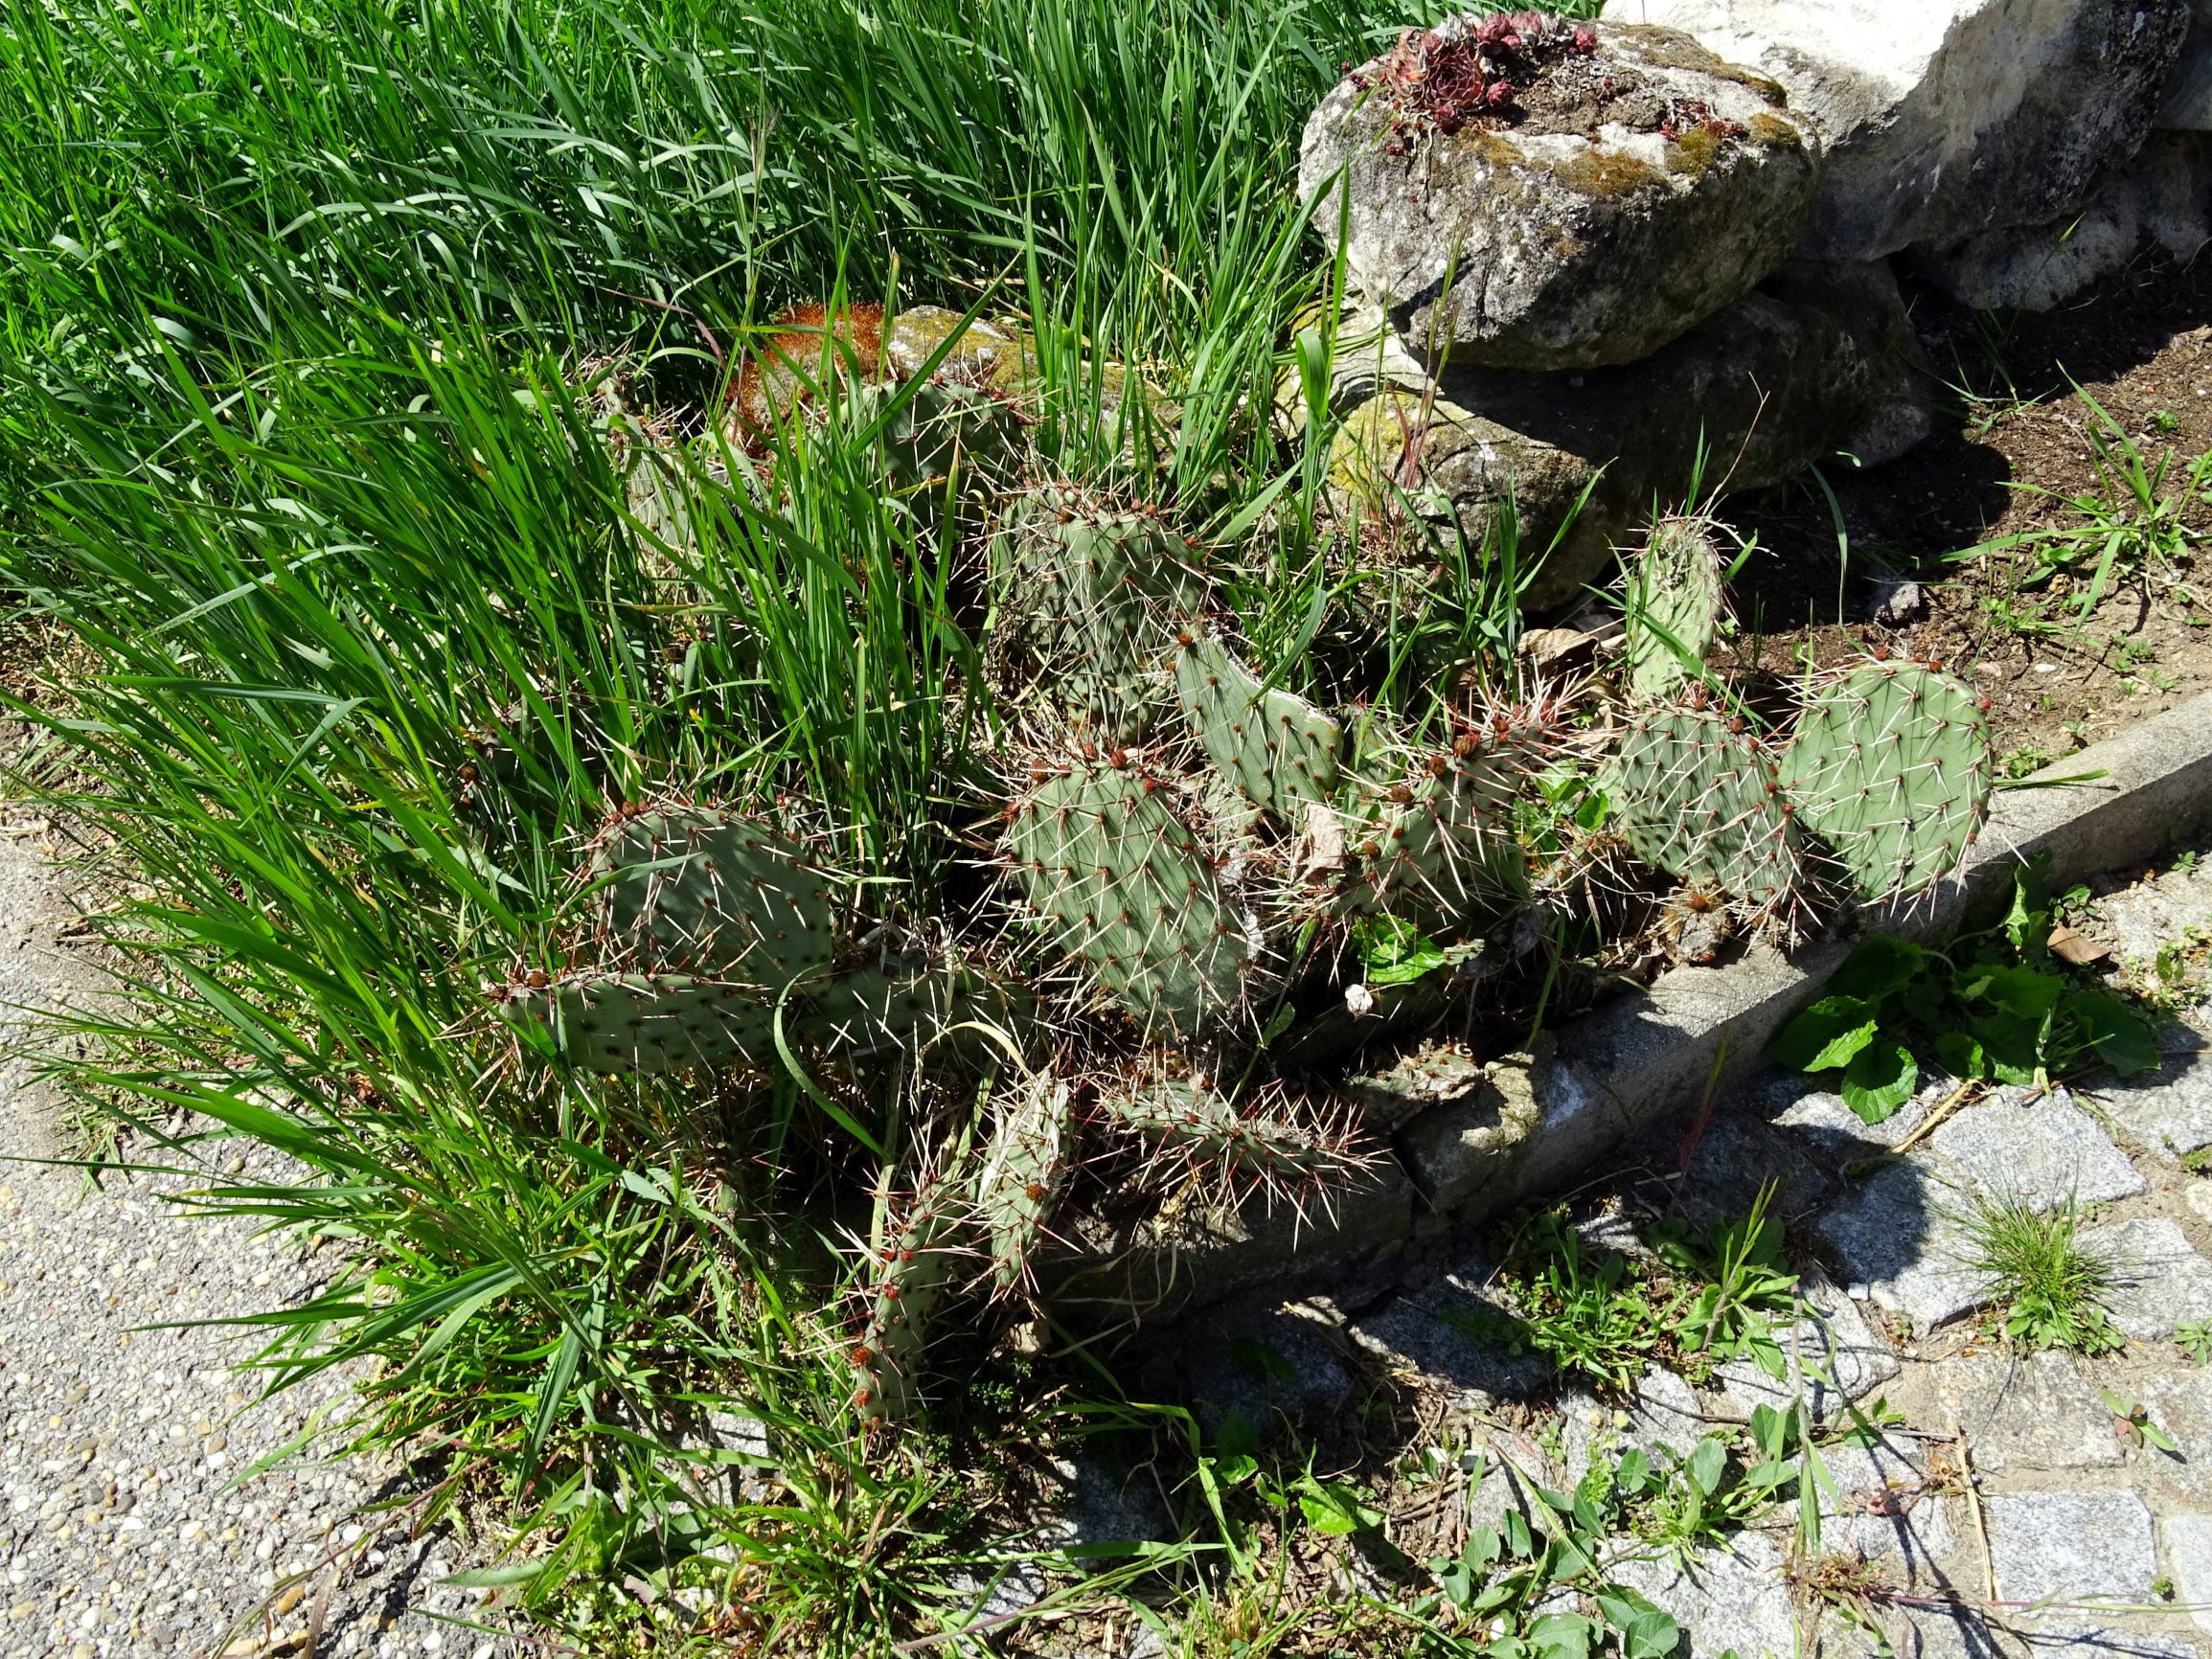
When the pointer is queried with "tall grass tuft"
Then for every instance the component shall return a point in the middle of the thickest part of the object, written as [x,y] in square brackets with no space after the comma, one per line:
[310,314]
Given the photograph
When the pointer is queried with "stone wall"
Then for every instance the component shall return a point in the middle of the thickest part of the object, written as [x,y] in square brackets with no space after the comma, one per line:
[1579,253]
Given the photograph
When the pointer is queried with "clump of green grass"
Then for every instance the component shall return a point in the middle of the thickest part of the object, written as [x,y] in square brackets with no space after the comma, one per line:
[2047,1279]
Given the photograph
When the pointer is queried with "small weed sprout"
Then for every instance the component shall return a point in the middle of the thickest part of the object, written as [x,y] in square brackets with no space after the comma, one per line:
[2047,1280]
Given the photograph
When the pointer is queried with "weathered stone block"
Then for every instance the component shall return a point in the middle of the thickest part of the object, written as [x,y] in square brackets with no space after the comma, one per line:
[1620,198]
[2031,1411]
[2161,195]
[1939,122]
[1772,384]
[2042,1149]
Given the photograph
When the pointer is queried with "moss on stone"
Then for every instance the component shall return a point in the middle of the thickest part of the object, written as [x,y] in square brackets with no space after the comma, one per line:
[1604,173]
[1694,151]
[1772,132]
[1666,48]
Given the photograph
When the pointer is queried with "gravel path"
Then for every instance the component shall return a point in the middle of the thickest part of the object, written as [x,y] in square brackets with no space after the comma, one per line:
[128,1527]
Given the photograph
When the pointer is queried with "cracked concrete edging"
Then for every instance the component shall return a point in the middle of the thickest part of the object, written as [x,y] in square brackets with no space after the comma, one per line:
[1469,1141]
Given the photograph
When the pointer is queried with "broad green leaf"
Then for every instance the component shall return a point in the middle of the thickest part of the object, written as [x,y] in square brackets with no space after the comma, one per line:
[2025,993]
[2012,1045]
[1880,1078]
[1879,967]
[2122,1037]
[1707,1464]
[1825,1036]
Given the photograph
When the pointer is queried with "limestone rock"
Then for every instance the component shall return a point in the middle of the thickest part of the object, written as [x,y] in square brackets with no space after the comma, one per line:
[2161,196]
[1939,122]
[1769,386]
[1863,296]
[1620,198]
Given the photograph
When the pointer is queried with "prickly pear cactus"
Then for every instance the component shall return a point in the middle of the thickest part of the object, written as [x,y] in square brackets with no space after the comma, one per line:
[1442,849]
[655,1024]
[1203,1125]
[1890,766]
[942,432]
[1673,608]
[921,1253]
[652,1024]
[1276,747]
[708,892]
[1023,1169]
[1126,890]
[1082,591]
[1695,795]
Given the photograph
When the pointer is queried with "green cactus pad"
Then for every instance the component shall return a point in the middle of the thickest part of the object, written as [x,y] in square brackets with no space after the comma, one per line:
[1203,1125]
[1276,747]
[1891,768]
[1699,799]
[943,430]
[661,1023]
[1128,891]
[1080,593]
[650,1024]
[1445,855]
[1022,1168]
[919,1259]
[705,891]
[1673,600]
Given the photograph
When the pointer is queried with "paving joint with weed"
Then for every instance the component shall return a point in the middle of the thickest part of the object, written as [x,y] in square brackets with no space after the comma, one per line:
[1997,1359]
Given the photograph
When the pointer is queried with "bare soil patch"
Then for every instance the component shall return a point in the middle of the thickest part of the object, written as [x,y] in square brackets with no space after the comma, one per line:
[2020,425]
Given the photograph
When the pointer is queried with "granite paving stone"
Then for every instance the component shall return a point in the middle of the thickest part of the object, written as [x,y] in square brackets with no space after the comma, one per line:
[2071,1545]
[2028,1412]
[1830,1357]
[2169,1110]
[2159,1280]
[1733,1597]
[1900,1237]
[2043,1150]
[2189,1559]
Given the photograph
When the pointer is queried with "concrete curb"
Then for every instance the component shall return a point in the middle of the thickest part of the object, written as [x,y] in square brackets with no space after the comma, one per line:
[1477,1139]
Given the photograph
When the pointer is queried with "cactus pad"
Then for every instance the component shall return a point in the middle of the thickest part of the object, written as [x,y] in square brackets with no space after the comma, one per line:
[1203,1125]
[1673,605]
[917,1260]
[659,1023]
[1696,796]
[1022,1168]
[1276,747]
[1128,891]
[705,891]
[1443,849]
[1081,592]
[1891,768]
[647,1023]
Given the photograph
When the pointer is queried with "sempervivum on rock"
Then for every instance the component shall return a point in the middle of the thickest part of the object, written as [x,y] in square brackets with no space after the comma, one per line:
[1521,192]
